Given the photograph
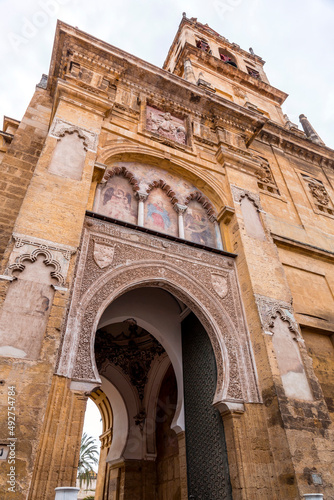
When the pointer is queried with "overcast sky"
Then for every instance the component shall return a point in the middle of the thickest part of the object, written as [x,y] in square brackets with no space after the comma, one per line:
[294,37]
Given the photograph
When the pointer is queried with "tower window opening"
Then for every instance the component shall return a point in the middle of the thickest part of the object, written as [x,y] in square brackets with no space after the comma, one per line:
[203,45]
[253,72]
[227,58]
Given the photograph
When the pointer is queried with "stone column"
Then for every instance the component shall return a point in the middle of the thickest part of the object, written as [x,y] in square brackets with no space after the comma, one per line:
[59,445]
[180,209]
[309,130]
[101,485]
[142,197]
[219,241]
[189,74]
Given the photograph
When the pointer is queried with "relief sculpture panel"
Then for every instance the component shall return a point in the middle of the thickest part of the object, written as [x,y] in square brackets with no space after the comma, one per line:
[166,125]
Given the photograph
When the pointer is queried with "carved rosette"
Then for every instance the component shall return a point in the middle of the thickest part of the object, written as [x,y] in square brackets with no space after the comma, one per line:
[193,276]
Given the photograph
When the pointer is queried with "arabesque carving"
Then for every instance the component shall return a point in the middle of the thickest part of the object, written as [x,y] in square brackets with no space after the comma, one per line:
[270,309]
[28,248]
[144,260]
[18,265]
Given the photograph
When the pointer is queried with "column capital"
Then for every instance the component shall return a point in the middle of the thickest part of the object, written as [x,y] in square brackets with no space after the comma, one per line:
[180,209]
[141,195]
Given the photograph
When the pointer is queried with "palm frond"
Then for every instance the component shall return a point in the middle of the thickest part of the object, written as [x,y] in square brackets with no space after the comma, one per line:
[88,458]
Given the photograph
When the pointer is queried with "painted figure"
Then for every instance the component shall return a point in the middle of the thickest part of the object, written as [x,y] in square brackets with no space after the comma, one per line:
[197,224]
[118,203]
[159,215]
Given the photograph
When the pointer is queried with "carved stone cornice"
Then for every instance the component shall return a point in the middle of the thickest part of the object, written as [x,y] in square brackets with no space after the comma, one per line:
[143,78]
[228,155]
[295,145]
[70,91]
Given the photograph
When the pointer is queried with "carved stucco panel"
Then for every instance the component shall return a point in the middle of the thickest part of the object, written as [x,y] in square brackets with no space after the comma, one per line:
[269,309]
[239,193]
[28,248]
[144,260]
[60,127]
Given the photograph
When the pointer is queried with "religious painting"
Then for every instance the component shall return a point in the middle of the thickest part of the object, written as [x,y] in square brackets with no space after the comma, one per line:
[159,213]
[117,200]
[197,227]
[166,125]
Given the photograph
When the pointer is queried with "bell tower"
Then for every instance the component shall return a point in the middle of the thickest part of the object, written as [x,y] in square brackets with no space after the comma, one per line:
[203,57]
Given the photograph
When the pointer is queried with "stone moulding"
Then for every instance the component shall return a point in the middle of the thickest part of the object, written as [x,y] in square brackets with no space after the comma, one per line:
[60,127]
[141,260]
[165,187]
[202,200]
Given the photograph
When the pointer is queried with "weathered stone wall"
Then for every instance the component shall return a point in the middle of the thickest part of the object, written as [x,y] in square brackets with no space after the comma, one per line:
[272,193]
[19,162]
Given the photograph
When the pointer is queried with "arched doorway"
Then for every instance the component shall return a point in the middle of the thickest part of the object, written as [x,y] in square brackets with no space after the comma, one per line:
[146,347]
[127,273]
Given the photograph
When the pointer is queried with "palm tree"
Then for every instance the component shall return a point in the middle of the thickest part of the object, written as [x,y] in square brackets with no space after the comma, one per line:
[87,459]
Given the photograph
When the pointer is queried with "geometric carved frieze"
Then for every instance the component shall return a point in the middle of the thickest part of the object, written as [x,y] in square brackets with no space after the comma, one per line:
[29,248]
[61,127]
[203,281]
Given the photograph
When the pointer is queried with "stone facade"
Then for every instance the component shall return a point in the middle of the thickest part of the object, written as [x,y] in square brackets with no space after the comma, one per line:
[133,196]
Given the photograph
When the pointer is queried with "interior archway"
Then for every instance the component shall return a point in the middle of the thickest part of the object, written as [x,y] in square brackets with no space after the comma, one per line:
[139,347]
